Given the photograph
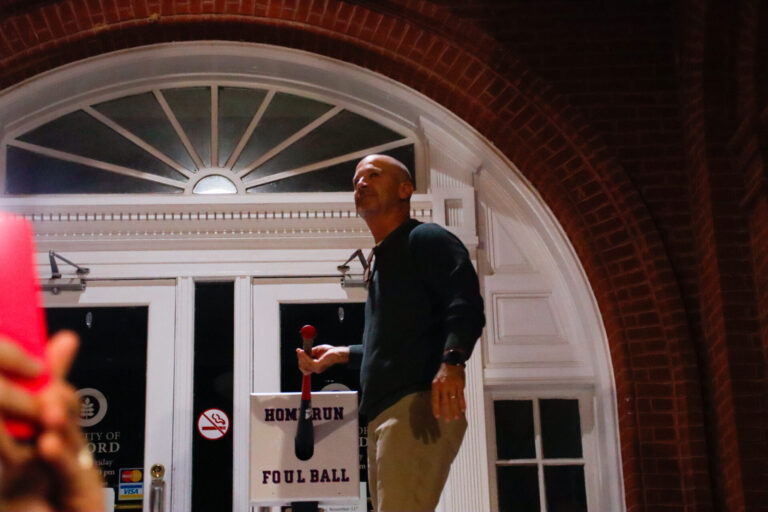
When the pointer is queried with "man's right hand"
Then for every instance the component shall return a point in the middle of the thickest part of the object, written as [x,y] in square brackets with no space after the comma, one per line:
[323,357]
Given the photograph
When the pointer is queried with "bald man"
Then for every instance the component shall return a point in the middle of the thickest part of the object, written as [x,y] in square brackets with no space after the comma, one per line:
[423,316]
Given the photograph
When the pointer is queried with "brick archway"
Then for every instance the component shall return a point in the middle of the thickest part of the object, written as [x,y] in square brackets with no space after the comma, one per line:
[462,68]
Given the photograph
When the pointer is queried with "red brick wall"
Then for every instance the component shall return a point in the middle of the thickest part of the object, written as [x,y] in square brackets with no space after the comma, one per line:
[609,109]
[747,149]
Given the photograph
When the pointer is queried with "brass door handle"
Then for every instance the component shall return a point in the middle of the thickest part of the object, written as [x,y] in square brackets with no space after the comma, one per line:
[157,489]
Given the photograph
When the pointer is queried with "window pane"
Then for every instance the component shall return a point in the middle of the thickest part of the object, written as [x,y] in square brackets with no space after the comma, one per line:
[214,184]
[407,155]
[344,133]
[237,106]
[337,178]
[30,173]
[142,115]
[192,108]
[518,488]
[564,488]
[560,430]
[286,115]
[514,429]
[82,135]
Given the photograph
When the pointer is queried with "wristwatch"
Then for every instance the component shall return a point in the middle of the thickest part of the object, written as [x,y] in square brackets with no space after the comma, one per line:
[455,357]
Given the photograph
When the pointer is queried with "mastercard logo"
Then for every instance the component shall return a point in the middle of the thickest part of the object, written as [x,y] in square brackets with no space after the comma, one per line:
[131,475]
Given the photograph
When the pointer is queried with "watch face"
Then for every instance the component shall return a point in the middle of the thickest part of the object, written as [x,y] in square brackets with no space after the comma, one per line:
[454,357]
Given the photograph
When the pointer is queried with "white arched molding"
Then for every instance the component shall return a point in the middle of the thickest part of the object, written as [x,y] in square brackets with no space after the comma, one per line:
[544,334]
[544,337]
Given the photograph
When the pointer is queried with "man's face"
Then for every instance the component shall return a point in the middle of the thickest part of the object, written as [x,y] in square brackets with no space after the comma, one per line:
[377,185]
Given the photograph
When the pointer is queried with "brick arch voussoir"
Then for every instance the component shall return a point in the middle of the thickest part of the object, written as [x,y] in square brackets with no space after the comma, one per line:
[592,197]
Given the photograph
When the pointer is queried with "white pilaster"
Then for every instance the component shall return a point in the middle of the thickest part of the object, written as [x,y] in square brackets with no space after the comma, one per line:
[242,390]
[183,371]
[467,486]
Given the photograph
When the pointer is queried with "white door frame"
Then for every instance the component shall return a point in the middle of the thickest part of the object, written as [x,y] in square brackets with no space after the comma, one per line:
[160,297]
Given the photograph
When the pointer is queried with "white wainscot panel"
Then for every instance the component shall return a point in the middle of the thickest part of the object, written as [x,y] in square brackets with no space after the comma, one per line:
[525,320]
[529,333]
[506,255]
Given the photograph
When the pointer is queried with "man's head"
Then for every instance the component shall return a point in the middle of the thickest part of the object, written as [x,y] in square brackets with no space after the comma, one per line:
[383,188]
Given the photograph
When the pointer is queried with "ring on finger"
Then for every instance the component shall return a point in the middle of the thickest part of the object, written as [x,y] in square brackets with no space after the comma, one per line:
[84,458]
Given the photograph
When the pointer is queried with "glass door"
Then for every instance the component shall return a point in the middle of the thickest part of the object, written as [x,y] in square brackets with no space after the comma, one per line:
[123,374]
[278,308]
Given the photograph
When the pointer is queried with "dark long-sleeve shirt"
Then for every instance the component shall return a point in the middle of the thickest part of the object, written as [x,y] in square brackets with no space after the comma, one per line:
[423,299]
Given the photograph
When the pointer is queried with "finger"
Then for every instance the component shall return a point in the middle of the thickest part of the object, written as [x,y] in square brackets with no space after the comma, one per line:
[63,448]
[446,403]
[59,405]
[302,359]
[61,352]
[14,361]
[319,350]
[15,401]
[450,402]
[12,453]
[307,365]
[454,406]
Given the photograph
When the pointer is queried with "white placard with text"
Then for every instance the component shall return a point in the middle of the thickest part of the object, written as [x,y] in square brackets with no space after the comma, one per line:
[277,476]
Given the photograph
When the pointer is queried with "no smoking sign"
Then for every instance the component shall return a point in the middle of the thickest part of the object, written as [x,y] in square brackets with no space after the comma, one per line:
[213,424]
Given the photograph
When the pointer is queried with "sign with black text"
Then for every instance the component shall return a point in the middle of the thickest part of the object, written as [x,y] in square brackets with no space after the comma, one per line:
[332,473]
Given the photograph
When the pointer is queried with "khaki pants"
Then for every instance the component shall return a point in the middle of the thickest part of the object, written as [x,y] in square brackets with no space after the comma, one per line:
[410,453]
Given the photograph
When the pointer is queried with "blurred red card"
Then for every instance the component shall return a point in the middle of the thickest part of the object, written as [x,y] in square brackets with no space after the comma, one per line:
[21,317]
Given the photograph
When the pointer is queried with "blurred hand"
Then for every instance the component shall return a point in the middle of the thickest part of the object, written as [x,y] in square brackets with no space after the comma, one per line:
[323,357]
[55,473]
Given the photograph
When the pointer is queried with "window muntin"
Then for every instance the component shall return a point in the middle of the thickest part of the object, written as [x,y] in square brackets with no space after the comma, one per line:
[142,115]
[169,140]
[540,465]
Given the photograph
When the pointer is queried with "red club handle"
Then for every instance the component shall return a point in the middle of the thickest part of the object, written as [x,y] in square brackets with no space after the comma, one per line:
[308,334]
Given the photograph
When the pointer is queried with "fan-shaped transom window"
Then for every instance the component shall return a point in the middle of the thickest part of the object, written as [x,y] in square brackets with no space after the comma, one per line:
[211,139]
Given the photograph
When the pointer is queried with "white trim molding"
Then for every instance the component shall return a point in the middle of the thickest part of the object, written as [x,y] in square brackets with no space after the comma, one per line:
[303,221]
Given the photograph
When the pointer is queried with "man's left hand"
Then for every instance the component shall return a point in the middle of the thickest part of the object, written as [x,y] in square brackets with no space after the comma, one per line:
[448,392]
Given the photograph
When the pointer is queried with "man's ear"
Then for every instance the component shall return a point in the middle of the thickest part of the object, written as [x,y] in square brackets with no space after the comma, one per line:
[405,190]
